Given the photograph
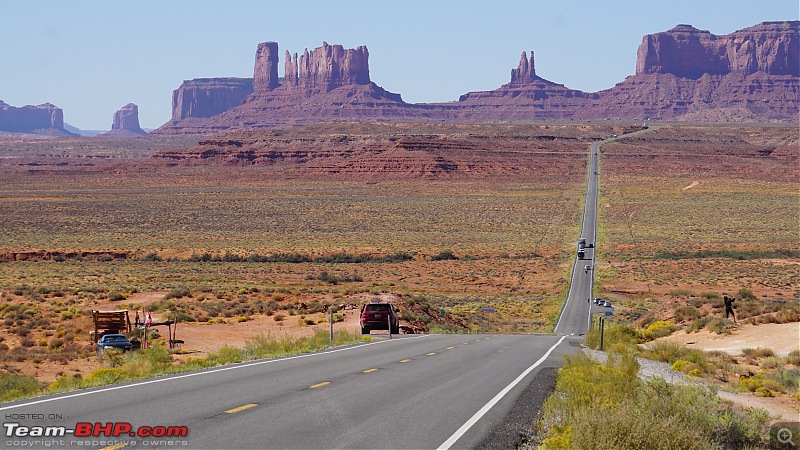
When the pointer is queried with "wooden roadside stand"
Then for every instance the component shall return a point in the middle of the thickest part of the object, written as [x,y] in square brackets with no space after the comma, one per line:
[112,322]
[109,322]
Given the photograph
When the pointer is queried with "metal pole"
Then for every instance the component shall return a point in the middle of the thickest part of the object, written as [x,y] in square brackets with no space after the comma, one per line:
[330,310]
[389,322]
[602,326]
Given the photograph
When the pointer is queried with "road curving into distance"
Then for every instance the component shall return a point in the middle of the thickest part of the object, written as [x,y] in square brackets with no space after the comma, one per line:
[415,391]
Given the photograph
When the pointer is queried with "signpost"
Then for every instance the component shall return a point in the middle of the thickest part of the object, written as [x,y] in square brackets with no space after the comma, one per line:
[487,310]
[330,310]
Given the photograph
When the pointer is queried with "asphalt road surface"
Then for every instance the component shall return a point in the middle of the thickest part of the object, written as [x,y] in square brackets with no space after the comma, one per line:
[416,392]
[426,391]
[575,317]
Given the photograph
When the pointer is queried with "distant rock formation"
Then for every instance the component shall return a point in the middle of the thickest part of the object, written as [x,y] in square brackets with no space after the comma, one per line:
[526,97]
[265,73]
[206,97]
[526,72]
[45,119]
[771,47]
[326,68]
[126,123]
[750,75]
[681,74]
[326,83]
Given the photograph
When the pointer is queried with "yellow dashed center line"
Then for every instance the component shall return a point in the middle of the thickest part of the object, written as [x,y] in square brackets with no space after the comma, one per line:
[241,408]
[370,370]
[464,343]
[431,353]
[450,348]
[405,360]
[319,385]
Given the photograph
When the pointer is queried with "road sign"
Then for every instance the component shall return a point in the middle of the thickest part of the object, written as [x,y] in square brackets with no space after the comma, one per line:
[488,310]
[608,313]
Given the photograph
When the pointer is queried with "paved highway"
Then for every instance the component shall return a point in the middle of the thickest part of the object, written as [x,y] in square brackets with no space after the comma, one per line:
[425,391]
[574,318]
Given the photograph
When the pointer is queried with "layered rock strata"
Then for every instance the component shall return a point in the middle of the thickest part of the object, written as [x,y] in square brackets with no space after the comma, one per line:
[207,97]
[771,47]
[681,74]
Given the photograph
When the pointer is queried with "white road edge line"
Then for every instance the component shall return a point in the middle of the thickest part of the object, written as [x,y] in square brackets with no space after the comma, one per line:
[477,416]
[194,374]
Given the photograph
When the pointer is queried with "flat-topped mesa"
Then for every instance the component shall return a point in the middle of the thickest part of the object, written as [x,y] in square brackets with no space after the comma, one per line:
[526,72]
[265,72]
[27,119]
[206,97]
[685,51]
[326,68]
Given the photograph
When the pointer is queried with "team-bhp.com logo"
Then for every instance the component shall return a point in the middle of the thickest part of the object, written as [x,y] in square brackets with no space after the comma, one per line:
[97,429]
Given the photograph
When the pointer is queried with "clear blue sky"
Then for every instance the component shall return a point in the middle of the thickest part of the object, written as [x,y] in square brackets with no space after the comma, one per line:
[92,57]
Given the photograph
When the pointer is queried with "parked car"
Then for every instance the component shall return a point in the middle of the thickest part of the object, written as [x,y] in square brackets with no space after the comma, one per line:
[116,341]
[606,303]
[598,301]
[379,316]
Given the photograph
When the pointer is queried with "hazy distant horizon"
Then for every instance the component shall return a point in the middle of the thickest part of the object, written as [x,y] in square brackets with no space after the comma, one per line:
[90,57]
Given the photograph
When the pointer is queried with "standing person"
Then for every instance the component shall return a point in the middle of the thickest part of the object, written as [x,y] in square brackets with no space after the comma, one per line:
[729,307]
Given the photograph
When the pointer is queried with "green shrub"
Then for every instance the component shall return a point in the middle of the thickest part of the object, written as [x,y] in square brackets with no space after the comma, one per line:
[607,406]
[444,256]
[14,386]
[789,379]
[617,336]
[686,313]
[698,324]
[721,326]
[659,329]
[665,351]
[793,358]
[178,292]
[65,383]
[55,343]
[105,375]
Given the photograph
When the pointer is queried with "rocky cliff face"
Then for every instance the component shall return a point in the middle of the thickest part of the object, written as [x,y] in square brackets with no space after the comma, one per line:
[685,51]
[681,74]
[326,83]
[326,68]
[265,73]
[41,119]
[126,123]
[525,72]
[206,97]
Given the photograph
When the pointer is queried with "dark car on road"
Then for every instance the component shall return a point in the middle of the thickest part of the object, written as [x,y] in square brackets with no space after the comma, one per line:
[379,316]
[116,341]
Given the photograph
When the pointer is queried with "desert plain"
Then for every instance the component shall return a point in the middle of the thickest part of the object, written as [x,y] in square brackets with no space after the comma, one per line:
[258,233]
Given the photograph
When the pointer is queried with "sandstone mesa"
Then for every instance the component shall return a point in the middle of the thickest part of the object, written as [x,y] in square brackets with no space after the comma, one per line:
[683,74]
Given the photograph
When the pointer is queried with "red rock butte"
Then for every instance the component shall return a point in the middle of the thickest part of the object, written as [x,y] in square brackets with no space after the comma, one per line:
[683,74]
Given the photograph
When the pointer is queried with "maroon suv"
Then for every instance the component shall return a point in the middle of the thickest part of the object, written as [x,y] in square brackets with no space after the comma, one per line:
[379,316]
